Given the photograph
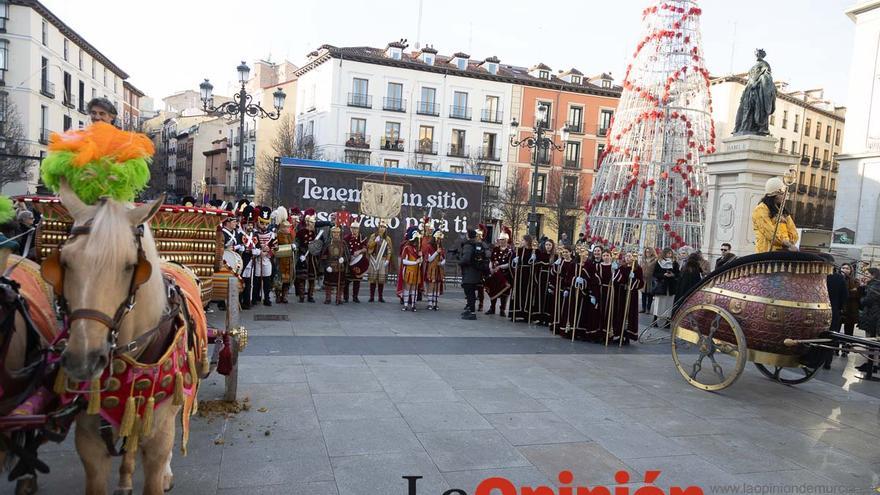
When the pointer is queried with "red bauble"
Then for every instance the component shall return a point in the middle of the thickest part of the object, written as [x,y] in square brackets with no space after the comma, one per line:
[664,175]
[666,216]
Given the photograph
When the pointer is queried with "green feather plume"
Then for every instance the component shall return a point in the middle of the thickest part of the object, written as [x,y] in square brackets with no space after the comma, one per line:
[104,177]
[7,211]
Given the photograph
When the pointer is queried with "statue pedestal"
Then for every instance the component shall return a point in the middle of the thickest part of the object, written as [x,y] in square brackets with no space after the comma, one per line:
[736,176]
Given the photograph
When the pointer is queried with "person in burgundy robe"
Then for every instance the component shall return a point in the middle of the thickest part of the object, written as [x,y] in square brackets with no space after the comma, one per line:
[628,280]
[542,305]
[523,284]
[604,281]
[560,292]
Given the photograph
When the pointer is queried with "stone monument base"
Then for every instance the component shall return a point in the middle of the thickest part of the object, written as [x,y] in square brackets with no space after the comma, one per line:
[736,176]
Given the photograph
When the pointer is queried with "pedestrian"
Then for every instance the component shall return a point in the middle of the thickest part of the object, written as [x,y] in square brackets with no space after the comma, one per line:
[581,240]
[563,240]
[850,313]
[102,110]
[726,255]
[666,274]
[704,263]
[474,265]
[869,315]
[837,294]
[649,259]
[691,275]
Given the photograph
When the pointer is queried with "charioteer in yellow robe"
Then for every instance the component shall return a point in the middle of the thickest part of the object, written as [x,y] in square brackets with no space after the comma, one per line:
[764,220]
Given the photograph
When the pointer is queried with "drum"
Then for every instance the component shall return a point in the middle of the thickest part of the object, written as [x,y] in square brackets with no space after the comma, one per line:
[284,251]
[233,261]
[316,247]
[496,284]
[359,264]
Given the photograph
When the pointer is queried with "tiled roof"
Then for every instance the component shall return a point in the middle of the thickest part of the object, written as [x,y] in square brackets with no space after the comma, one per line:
[506,73]
[493,59]
[572,71]
[461,55]
[429,49]
[541,66]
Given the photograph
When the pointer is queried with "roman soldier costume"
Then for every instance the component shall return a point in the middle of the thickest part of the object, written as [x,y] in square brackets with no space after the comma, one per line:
[435,273]
[360,261]
[335,259]
[307,263]
[379,249]
[410,271]
[426,230]
[498,283]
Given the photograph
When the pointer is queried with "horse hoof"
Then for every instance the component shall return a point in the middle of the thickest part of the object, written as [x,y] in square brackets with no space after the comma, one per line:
[27,486]
[169,485]
[121,491]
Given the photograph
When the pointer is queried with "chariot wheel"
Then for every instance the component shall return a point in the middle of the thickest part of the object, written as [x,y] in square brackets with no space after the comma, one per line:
[716,364]
[788,376]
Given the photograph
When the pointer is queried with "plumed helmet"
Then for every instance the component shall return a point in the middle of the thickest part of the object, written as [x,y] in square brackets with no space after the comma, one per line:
[310,212]
[412,233]
[774,186]
[482,231]
[383,223]
[439,235]
[240,206]
[188,201]
[505,233]
[356,223]
[247,213]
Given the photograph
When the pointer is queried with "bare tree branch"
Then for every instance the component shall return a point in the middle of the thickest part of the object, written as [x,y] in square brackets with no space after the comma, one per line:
[513,202]
[13,142]
[286,143]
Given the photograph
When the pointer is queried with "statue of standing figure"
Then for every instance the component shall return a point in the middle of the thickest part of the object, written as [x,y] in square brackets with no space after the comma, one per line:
[758,101]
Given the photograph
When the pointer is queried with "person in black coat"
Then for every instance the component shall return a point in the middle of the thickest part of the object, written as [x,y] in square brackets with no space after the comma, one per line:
[869,315]
[473,262]
[666,275]
[691,275]
[837,293]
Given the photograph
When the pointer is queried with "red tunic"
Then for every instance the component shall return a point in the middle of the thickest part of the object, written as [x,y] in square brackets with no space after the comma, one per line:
[357,268]
[410,274]
[561,294]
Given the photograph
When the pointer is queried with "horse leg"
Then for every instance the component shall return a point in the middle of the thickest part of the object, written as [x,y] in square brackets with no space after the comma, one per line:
[126,470]
[93,454]
[156,451]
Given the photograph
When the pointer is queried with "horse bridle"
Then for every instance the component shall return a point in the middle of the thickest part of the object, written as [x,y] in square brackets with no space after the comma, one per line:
[53,272]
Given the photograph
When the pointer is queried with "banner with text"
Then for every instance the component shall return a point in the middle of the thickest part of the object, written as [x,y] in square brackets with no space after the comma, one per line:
[452,200]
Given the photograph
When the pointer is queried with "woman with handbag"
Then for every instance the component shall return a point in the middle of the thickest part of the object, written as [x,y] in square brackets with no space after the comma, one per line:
[666,275]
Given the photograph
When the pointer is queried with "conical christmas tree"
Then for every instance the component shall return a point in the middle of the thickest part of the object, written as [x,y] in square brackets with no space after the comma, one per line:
[650,189]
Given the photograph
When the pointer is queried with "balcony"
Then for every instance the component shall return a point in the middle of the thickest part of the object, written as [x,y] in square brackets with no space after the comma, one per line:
[391,144]
[490,154]
[835,166]
[802,189]
[493,192]
[826,165]
[360,100]
[805,160]
[237,141]
[248,162]
[832,194]
[357,140]
[602,131]
[393,104]
[575,127]
[47,89]
[492,116]
[572,163]
[228,165]
[425,147]
[252,134]
[67,100]
[428,108]
[228,143]
[463,113]
[823,192]
[814,190]
[44,136]
[457,150]
[815,162]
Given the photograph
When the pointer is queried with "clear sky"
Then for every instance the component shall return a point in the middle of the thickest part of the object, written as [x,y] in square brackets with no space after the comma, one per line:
[167,46]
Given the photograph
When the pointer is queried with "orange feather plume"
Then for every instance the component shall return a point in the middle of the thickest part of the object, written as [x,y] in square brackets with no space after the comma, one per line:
[102,140]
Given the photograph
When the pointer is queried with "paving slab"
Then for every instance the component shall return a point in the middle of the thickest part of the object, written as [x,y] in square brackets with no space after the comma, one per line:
[440,416]
[534,428]
[382,474]
[369,436]
[589,463]
[470,450]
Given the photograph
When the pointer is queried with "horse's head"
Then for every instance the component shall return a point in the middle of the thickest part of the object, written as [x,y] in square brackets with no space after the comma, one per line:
[109,256]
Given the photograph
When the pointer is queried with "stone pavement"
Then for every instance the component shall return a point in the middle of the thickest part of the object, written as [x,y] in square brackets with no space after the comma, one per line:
[347,400]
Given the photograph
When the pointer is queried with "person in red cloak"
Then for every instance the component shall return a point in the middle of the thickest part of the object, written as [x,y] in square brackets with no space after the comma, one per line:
[409,275]
[435,273]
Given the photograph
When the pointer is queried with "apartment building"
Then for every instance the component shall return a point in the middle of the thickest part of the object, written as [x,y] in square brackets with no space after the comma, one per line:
[49,73]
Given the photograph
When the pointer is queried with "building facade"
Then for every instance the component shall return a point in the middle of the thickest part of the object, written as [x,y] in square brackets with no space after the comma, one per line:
[857,220]
[131,107]
[48,73]
[806,125]
[420,109]
[580,105]
[216,164]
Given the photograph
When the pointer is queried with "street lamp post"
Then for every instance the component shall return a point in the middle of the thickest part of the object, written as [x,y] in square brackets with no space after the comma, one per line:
[537,142]
[242,105]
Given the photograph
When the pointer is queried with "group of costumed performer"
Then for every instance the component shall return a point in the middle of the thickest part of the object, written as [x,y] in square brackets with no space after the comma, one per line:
[422,270]
[579,294]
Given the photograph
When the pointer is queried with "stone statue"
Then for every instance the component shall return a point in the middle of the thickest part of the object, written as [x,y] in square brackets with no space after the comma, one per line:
[758,100]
